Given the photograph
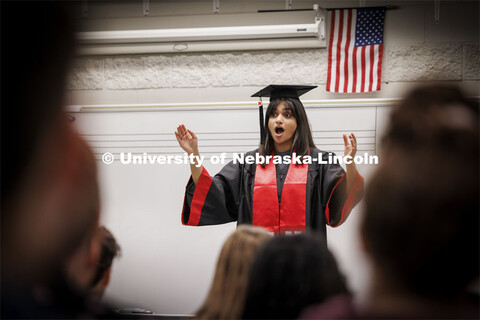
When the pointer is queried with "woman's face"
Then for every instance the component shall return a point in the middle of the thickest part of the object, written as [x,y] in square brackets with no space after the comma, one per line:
[282,125]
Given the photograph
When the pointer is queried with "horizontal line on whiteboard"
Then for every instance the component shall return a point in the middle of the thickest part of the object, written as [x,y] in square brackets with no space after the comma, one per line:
[219,139]
[249,132]
[222,139]
[208,146]
[216,152]
[253,140]
[213,106]
[152,134]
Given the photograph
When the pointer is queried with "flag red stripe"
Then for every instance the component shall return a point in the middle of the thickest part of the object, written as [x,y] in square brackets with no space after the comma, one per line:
[379,63]
[354,70]
[349,27]
[339,42]
[362,89]
[372,63]
[329,78]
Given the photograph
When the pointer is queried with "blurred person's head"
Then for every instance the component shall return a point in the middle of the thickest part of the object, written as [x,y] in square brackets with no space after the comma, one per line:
[227,292]
[49,189]
[421,221]
[81,267]
[289,274]
[34,74]
[108,251]
[58,214]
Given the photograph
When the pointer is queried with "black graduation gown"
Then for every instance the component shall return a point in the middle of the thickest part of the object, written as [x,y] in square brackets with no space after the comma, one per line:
[228,196]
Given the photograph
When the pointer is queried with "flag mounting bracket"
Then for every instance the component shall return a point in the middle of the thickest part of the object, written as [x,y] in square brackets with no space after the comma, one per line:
[288,4]
[84,9]
[437,11]
[146,7]
[320,20]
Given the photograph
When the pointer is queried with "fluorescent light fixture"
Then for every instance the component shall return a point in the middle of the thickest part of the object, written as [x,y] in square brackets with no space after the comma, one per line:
[204,39]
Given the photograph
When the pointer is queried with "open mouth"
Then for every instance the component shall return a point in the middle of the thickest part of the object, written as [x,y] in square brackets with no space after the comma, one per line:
[279,131]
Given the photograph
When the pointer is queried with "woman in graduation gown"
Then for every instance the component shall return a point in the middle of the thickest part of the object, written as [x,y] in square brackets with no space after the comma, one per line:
[283,198]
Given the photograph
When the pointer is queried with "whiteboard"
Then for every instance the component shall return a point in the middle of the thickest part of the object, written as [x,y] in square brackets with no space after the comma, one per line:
[167,267]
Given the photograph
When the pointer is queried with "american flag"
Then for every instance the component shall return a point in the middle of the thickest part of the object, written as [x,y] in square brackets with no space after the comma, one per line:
[355,50]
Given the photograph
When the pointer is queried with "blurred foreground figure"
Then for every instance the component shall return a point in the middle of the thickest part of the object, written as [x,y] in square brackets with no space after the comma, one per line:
[227,292]
[39,149]
[289,274]
[50,200]
[421,222]
[109,250]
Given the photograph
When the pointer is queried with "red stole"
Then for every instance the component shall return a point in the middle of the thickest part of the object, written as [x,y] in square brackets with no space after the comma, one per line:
[292,214]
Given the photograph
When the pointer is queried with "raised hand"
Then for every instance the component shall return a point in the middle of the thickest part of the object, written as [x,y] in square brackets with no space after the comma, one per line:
[187,139]
[350,146]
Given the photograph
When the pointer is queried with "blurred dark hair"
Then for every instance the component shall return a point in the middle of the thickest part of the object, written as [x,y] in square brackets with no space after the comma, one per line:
[109,250]
[37,49]
[421,221]
[289,274]
[38,44]
[302,140]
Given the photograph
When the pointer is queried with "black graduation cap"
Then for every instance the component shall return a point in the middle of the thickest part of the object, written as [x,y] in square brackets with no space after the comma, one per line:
[276,91]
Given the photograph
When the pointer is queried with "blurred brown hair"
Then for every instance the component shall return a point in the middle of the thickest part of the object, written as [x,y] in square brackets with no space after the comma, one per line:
[109,250]
[227,292]
[421,221]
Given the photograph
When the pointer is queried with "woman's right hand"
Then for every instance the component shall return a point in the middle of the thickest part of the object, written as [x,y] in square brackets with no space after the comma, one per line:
[187,139]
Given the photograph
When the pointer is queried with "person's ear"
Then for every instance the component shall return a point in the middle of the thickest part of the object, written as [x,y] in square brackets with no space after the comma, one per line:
[363,240]
[106,277]
[95,248]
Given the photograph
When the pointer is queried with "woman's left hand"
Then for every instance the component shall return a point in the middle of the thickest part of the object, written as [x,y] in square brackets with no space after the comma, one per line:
[350,150]
[350,146]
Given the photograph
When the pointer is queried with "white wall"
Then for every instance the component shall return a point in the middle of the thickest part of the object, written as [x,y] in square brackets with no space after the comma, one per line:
[416,50]
[169,270]
[168,267]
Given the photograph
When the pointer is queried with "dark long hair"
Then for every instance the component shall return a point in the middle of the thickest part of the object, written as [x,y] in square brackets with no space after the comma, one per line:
[289,274]
[302,140]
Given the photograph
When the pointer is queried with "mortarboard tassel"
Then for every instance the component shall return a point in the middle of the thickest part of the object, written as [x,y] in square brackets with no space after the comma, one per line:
[262,126]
